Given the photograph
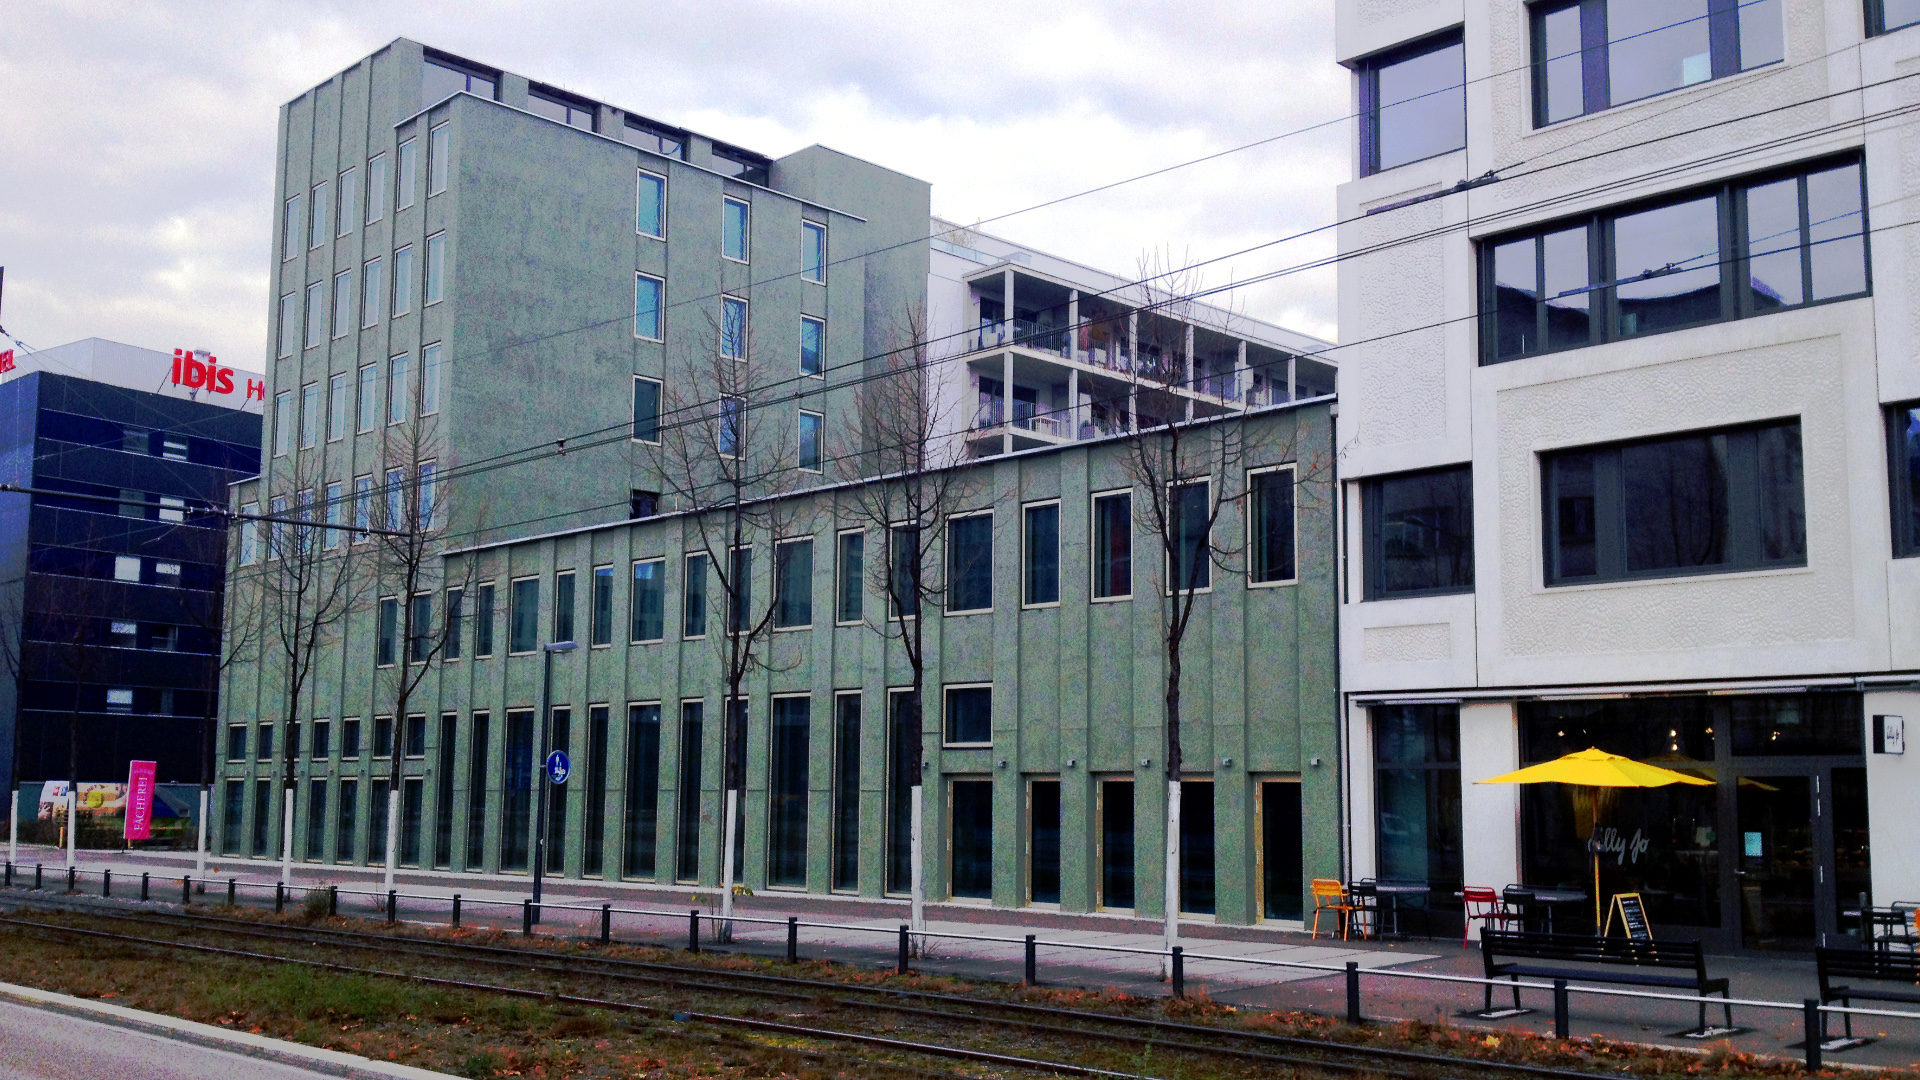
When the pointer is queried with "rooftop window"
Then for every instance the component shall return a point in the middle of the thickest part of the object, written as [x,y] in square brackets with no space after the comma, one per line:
[569,110]
[744,165]
[653,137]
[441,77]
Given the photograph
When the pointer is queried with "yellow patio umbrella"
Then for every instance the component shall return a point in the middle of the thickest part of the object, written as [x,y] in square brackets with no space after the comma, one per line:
[1594,771]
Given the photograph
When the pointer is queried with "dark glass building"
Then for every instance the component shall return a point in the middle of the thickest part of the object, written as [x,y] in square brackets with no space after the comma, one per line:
[110,591]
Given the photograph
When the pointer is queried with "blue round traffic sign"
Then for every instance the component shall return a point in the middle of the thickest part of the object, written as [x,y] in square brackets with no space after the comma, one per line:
[558,767]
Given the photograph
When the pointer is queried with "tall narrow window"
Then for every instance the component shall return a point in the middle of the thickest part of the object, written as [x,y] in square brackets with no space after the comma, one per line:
[739,586]
[1192,562]
[903,775]
[641,832]
[903,584]
[377,822]
[849,588]
[1413,103]
[293,219]
[646,409]
[456,618]
[438,166]
[969,720]
[483,620]
[686,866]
[651,204]
[387,642]
[377,180]
[420,628]
[282,423]
[346,820]
[443,794]
[731,419]
[289,324]
[369,411]
[810,439]
[1903,459]
[399,388]
[1043,841]
[477,773]
[403,281]
[1281,864]
[1113,545]
[1040,548]
[349,214]
[733,230]
[316,848]
[430,378]
[1416,803]
[322,223]
[846,792]
[343,303]
[970,823]
[523,616]
[593,825]
[647,291]
[1418,533]
[436,268]
[249,535]
[405,174]
[813,251]
[733,327]
[516,803]
[334,510]
[793,583]
[649,600]
[1116,844]
[309,415]
[600,617]
[1270,537]
[316,314]
[693,613]
[970,563]
[338,399]
[563,606]
[262,815]
[1197,878]
[373,289]
[813,344]
[362,507]
[787,791]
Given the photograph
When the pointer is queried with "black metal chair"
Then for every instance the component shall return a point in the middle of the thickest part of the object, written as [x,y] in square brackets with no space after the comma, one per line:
[1528,912]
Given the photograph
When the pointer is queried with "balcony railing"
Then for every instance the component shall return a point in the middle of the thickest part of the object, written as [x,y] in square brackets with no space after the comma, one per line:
[992,415]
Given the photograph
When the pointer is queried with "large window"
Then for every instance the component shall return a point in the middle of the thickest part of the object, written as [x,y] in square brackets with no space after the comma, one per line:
[1732,251]
[969,720]
[523,616]
[849,587]
[443,77]
[1040,548]
[639,857]
[1413,103]
[650,200]
[1416,795]
[569,110]
[793,584]
[686,866]
[1419,533]
[1903,453]
[1703,502]
[787,792]
[476,823]
[1270,539]
[846,792]
[516,795]
[970,563]
[1590,55]
[733,229]
[1113,545]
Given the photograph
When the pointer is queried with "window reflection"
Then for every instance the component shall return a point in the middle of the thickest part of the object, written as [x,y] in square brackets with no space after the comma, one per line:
[1416,104]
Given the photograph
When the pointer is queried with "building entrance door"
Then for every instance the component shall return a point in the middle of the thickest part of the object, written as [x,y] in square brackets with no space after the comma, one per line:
[1776,860]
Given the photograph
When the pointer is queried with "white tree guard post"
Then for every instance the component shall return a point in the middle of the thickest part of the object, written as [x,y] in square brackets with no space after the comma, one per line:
[1172,900]
[393,837]
[13,828]
[729,822]
[200,854]
[286,840]
[917,867]
[73,823]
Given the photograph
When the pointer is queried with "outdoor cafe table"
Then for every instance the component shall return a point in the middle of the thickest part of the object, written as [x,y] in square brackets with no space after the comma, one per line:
[1881,927]
[1391,894]
[1549,899]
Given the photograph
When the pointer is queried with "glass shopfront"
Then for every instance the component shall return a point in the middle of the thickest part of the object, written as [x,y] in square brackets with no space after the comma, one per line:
[1765,857]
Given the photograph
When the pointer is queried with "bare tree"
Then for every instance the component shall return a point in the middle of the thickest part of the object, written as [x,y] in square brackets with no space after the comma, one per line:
[310,584]
[1186,469]
[411,523]
[727,457]
[914,464]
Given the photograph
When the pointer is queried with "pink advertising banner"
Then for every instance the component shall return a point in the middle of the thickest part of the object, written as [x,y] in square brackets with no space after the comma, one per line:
[140,800]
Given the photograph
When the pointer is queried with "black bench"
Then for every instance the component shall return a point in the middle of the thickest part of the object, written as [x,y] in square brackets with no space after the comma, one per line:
[1679,965]
[1876,964]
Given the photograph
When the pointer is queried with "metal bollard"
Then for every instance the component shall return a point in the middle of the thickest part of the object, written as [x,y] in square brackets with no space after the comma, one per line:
[456,911]
[333,900]
[143,886]
[606,924]
[526,916]
[233,891]
[793,939]
[693,930]
[186,890]
[1559,1008]
[106,882]
[9,873]
[393,906]
[37,868]
[1033,962]
[1353,993]
[900,967]
[73,879]
[279,897]
[1810,1010]
[1179,971]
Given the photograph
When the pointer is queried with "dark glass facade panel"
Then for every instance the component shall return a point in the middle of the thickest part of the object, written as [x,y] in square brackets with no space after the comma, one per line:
[1703,502]
[563,606]
[1799,725]
[262,816]
[1043,841]
[1416,760]
[516,791]
[443,793]
[793,583]
[1116,844]
[1271,554]
[739,589]
[346,820]
[1415,103]
[1281,863]
[693,615]
[568,111]
[969,715]
[412,807]
[1419,533]
[1194,549]
[316,849]
[420,630]
[903,751]
[523,616]
[477,773]
[483,620]
[642,827]
[903,584]
[653,137]
[1667,267]
[1903,469]
[970,823]
[593,843]
[846,792]
[1656,45]
[970,563]
[1040,539]
[686,866]
[787,791]
[850,580]
[232,817]
[1113,545]
[1196,847]
[560,738]
[646,410]
[600,622]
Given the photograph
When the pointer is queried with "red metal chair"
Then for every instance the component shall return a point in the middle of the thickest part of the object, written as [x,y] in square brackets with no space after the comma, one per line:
[1485,905]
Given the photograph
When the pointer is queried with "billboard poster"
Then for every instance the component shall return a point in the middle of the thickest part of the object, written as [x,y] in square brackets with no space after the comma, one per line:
[94,799]
[140,800]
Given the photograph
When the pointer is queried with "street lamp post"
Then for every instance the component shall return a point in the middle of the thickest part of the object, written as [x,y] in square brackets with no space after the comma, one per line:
[540,765]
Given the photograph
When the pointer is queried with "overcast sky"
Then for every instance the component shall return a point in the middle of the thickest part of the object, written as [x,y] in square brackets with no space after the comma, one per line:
[136,142]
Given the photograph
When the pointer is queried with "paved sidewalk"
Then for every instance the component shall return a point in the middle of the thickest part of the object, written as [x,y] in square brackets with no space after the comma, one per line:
[1092,951]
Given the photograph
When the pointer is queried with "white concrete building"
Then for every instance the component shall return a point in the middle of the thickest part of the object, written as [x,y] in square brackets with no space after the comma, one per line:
[1630,439]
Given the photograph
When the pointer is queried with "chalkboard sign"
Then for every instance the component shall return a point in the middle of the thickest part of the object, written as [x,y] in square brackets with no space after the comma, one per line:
[1633,917]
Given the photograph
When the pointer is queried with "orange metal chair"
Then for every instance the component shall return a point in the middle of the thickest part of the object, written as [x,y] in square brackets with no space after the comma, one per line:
[1485,905]
[1330,895]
